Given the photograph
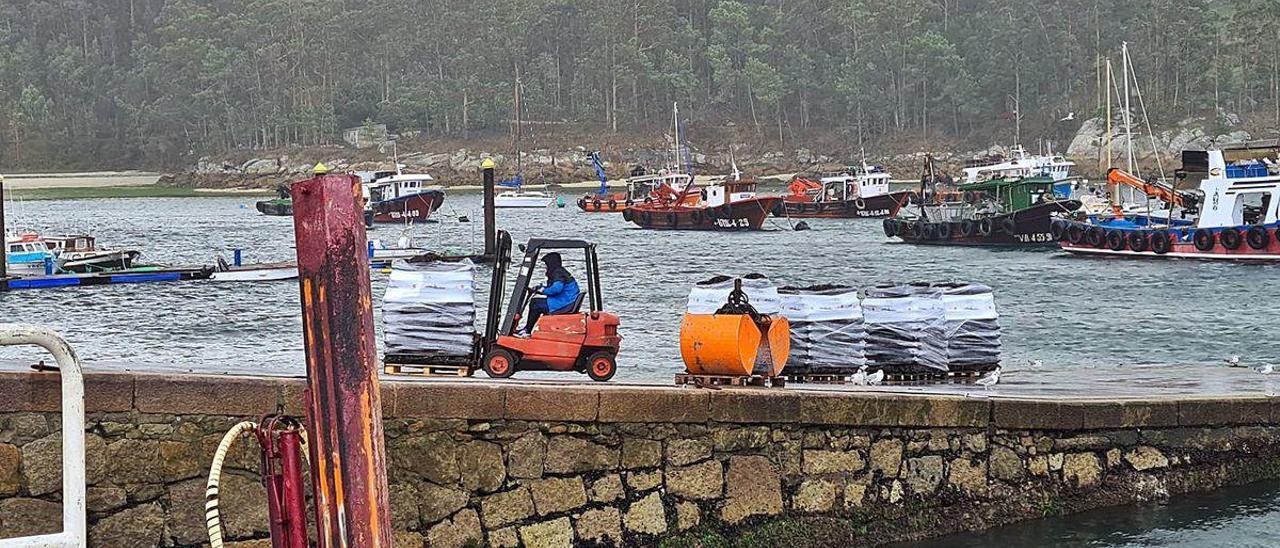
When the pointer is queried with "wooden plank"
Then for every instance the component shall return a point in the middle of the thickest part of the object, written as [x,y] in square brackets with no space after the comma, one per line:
[427,370]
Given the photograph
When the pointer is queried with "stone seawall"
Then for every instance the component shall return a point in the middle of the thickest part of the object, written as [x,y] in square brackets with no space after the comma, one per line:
[508,464]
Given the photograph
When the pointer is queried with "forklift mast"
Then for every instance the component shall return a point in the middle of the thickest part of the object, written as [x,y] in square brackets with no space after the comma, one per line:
[497,284]
[520,294]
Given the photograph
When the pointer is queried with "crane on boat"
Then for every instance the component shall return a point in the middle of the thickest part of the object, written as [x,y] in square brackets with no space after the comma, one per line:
[1162,191]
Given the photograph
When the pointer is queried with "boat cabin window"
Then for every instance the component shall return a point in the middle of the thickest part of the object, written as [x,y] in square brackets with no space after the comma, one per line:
[1251,208]
[15,248]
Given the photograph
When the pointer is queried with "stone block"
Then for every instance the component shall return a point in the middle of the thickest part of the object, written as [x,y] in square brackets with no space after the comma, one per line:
[552,403]
[726,438]
[207,395]
[404,499]
[480,466]
[437,503]
[702,481]
[855,494]
[647,516]
[1134,414]
[641,453]
[886,457]
[832,462]
[1145,458]
[102,500]
[976,442]
[42,463]
[924,474]
[240,503]
[432,456]
[753,489]
[1082,469]
[526,455]
[399,539]
[607,489]
[10,470]
[671,405]
[814,496]
[1225,411]
[894,410]
[462,530]
[22,517]
[688,515]
[42,392]
[475,401]
[555,495]
[108,392]
[755,406]
[601,526]
[142,525]
[504,538]
[557,533]
[505,508]
[644,480]
[681,452]
[131,461]
[568,455]
[1014,414]
[967,475]
[1006,465]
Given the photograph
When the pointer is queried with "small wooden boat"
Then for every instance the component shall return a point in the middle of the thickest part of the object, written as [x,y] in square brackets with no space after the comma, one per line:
[721,206]
[79,253]
[861,192]
[264,272]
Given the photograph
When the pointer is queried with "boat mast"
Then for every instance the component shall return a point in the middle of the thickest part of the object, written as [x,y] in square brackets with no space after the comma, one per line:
[519,160]
[4,236]
[1128,121]
[675,117]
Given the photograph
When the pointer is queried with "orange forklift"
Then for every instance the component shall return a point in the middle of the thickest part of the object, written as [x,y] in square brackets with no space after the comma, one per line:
[576,340]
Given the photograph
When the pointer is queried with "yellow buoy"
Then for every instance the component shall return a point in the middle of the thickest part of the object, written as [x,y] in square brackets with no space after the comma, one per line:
[320,169]
[712,344]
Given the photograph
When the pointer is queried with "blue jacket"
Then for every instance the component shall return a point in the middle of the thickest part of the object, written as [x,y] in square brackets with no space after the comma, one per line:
[561,295]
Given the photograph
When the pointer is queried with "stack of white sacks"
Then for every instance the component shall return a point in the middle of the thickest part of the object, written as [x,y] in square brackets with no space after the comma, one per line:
[708,296]
[429,309]
[906,329]
[972,326]
[827,331]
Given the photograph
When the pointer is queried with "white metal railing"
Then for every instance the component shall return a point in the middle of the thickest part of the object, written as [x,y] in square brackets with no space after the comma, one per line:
[73,486]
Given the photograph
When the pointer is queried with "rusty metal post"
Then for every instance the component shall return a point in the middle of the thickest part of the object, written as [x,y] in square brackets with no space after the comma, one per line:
[344,407]
[490,223]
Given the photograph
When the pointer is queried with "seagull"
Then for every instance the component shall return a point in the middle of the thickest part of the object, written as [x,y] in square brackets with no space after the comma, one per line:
[860,376]
[1265,369]
[989,380]
[1070,116]
[875,378]
[1232,361]
[1035,363]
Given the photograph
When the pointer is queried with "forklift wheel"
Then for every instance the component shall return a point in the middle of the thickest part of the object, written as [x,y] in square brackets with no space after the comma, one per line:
[601,366]
[500,364]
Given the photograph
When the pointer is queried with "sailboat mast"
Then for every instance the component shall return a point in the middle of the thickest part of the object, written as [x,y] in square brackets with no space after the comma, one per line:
[675,117]
[519,159]
[1128,122]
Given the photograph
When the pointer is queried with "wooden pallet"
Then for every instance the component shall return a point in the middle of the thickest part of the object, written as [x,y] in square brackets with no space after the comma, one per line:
[819,378]
[729,380]
[940,377]
[419,370]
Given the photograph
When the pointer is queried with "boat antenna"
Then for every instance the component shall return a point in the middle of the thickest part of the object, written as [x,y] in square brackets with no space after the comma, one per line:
[737,175]
[395,156]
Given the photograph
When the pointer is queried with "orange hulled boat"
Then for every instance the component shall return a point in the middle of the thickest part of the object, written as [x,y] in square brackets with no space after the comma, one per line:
[725,205]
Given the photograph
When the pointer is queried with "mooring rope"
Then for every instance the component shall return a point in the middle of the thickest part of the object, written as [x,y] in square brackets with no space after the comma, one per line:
[212,519]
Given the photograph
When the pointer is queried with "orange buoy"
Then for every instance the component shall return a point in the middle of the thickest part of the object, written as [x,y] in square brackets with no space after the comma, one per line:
[713,344]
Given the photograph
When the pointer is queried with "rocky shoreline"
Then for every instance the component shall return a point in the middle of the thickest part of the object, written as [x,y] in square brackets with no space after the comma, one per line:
[458,165]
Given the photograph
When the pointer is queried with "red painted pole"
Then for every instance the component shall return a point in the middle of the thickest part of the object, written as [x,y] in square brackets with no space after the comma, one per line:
[348,461]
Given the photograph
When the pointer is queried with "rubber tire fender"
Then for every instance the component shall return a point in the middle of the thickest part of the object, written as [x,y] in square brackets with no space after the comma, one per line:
[1095,236]
[890,228]
[986,226]
[1257,237]
[1161,243]
[1115,240]
[968,228]
[1009,225]
[1138,241]
[1231,239]
[1204,240]
[944,231]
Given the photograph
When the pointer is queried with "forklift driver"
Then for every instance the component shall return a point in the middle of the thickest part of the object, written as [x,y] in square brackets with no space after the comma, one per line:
[560,292]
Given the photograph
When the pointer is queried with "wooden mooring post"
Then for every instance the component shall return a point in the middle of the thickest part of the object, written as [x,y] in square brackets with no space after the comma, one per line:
[344,407]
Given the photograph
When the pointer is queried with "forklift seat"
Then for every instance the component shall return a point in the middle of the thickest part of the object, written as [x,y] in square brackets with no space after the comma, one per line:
[577,304]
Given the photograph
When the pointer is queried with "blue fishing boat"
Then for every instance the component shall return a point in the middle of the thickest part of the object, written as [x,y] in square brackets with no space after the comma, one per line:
[28,255]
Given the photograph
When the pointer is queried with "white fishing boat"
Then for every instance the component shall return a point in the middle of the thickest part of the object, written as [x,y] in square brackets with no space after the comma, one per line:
[1018,164]
[28,255]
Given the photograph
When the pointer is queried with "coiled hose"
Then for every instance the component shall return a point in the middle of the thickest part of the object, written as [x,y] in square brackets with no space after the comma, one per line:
[212,520]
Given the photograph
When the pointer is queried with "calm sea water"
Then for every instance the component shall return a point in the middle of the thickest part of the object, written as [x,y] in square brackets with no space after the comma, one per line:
[1096,314]
[1065,311]
[1242,517]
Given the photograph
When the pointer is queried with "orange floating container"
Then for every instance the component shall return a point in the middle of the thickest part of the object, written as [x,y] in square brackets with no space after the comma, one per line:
[778,341]
[714,344]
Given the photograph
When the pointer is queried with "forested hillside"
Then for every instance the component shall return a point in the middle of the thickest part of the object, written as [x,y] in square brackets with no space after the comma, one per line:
[128,83]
